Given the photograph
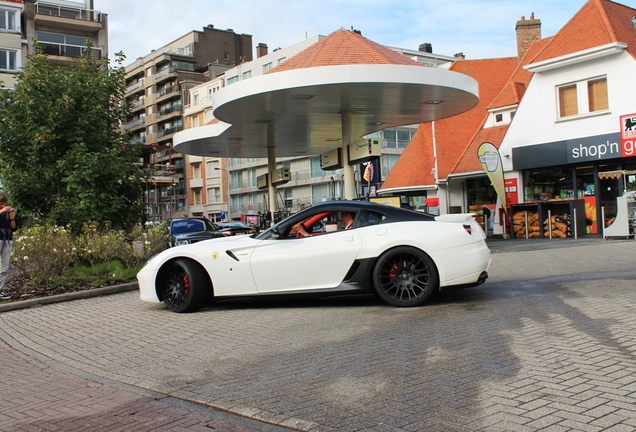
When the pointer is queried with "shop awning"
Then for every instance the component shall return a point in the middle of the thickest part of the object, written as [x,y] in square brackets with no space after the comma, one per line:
[615,174]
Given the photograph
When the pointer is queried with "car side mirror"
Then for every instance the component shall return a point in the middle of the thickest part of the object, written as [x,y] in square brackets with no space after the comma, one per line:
[275,233]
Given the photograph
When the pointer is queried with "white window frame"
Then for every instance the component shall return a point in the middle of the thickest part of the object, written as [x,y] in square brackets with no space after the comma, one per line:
[16,19]
[582,102]
[6,52]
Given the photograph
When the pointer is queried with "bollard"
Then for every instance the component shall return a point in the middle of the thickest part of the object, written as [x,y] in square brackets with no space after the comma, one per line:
[138,248]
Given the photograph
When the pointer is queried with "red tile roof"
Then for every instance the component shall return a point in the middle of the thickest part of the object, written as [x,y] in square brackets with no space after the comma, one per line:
[598,22]
[413,167]
[13,1]
[344,47]
[453,135]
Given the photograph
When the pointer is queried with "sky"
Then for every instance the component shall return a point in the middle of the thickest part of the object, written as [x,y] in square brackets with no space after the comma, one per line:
[477,28]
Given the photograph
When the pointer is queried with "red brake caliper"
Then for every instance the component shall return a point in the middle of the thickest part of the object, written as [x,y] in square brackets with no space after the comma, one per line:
[186,285]
[392,273]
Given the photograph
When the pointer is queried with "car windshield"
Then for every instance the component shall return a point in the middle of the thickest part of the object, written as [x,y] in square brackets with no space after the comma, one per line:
[190,225]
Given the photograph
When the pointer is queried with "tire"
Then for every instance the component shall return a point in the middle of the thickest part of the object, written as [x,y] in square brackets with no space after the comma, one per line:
[183,285]
[405,277]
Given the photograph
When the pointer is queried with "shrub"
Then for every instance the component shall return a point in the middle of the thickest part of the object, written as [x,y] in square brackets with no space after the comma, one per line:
[42,252]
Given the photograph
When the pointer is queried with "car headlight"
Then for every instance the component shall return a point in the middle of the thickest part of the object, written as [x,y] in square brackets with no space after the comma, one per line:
[181,242]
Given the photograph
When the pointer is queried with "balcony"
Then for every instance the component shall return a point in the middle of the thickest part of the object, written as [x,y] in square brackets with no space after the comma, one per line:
[169,131]
[44,8]
[169,110]
[55,15]
[135,86]
[169,90]
[176,67]
[139,140]
[71,51]
[135,123]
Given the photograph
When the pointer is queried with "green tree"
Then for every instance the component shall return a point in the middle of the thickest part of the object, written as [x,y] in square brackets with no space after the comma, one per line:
[63,156]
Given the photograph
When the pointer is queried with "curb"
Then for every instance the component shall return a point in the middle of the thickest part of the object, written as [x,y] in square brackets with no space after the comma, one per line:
[95,292]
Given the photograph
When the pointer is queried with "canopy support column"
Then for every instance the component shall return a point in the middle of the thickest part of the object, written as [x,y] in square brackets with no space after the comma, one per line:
[271,166]
[348,177]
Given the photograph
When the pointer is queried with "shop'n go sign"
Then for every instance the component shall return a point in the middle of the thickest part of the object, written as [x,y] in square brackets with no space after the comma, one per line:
[628,135]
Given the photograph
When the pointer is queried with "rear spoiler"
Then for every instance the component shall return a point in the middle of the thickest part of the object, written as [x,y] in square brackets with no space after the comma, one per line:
[457,217]
[468,220]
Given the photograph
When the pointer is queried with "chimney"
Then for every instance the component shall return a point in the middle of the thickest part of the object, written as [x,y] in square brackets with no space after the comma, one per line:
[460,56]
[527,33]
[261,49]
[426,47]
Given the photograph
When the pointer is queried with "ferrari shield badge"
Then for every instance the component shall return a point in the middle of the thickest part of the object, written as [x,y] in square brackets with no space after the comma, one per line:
[215,255]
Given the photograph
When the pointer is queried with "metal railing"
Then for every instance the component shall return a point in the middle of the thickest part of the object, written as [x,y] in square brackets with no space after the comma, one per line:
[169,131]
[134,123]
[167,90]
[135,86]
[169,110]
[73,51]
[44,8]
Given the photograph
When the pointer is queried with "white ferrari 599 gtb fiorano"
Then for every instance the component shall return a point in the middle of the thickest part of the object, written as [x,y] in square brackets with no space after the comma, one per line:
[401,255]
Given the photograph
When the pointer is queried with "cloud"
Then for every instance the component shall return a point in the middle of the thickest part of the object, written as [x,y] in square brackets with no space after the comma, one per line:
[478,28]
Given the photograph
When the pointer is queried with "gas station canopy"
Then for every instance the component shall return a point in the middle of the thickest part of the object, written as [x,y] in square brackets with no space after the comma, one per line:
[299,109]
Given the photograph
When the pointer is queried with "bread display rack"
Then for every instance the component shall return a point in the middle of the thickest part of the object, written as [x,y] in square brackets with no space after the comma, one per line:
[549,219]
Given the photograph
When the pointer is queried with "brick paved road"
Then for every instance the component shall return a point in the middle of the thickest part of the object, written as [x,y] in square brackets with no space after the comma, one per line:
[547,344]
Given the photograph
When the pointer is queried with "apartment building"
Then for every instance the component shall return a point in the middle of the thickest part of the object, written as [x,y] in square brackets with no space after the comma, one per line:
[157,87]
[10,41]
[229,189]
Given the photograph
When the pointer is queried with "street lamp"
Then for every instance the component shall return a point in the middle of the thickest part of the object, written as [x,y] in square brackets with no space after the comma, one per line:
[227,177]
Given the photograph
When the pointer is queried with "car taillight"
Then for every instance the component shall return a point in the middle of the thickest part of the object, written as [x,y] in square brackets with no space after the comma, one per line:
[227,233]
[468,229]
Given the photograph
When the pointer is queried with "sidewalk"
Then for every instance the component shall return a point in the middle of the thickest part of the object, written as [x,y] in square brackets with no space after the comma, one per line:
[40,394]
[543,343]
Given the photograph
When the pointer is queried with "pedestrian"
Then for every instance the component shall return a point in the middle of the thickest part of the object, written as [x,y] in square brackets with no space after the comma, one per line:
[7,225]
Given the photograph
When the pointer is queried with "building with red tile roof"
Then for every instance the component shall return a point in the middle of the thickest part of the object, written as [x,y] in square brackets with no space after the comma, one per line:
[559,120]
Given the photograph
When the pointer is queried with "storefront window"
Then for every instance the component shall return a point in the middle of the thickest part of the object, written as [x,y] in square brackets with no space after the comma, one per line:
[482,201]
[548,183]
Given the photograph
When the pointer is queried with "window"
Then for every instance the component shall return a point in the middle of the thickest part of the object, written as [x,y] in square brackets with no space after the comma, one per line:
[597,94]
[251,177]
[196,196]
[568,101]
[214,195]
[195,99]
[583,97]
[212,169]
[247,74]
[236,180]
[388,162]
[62,44]
[232,80]
[498,118]
[267,67]
[282,60]
[7,20]
[196,171]
[397,138]
[8,59]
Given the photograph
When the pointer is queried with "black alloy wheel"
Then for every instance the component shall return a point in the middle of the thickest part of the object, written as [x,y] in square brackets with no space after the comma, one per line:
[405,277]
[184,285]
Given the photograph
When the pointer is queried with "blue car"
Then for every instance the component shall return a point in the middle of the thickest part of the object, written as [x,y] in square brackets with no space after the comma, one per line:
[192,230]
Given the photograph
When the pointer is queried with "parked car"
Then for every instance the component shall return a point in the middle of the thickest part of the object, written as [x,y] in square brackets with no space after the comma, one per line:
[402,255]
[234,228]
[190,230]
